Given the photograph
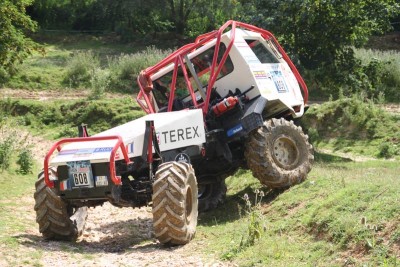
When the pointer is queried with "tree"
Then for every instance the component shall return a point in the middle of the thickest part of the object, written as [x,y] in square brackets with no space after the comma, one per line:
[14,45]
[179,13]
[194,17]
[320,30]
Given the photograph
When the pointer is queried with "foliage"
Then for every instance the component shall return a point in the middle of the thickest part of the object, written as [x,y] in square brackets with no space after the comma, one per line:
[349,121]
[80,69]
[125,68]
[314,33]
[255,228]
[14,45]
[320,35]
[99,83]
[62,117]
[11,143]
[7,144]
[383,69]
[133,19]
[25,161]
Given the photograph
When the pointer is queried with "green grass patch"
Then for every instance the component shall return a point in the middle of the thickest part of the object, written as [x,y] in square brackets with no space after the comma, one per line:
[56,119]
[75,61]
[354,125]
[42,72]
[14,187]
[345,212]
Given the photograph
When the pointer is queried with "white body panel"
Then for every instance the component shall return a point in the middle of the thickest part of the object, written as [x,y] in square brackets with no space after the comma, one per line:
[173,129]
[274,81]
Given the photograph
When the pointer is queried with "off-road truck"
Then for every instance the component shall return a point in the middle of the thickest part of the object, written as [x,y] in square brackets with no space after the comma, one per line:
[226,101]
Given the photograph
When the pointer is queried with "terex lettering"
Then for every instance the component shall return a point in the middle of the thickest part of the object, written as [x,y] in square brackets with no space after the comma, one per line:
[180,134]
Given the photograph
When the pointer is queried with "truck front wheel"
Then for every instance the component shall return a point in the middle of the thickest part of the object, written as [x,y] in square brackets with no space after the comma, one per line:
[175,203]
[279,154]
[57,219]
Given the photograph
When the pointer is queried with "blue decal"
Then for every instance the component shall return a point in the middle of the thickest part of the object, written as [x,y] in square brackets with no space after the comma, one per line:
[67,152]
[129,147]
[103,149]
[234,130]
[85,151]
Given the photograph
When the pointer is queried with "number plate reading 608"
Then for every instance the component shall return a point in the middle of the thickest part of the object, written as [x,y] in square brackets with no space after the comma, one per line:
[81,179]
[80,172]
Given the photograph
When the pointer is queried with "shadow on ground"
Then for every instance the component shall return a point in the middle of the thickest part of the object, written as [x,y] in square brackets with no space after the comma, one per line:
[115,237]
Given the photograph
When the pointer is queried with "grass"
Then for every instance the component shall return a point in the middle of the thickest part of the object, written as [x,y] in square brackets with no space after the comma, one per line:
[59,118]
[71,61]
[345,213]
[15,193]
[317,223]
[354,125]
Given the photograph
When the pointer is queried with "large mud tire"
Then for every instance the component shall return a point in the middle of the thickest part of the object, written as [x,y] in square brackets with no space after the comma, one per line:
[175,203]
[56,219]
[279,154]
[211,195]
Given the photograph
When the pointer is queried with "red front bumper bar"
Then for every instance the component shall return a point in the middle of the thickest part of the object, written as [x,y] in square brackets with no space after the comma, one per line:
[119,144]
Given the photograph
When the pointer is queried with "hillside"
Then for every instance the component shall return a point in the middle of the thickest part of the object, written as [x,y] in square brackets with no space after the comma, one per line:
[346,213]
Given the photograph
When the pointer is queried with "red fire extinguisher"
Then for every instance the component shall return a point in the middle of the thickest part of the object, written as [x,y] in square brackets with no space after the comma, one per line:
[225,105]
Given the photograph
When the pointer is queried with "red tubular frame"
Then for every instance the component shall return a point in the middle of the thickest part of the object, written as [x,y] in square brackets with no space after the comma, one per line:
[176,58]
[57,145]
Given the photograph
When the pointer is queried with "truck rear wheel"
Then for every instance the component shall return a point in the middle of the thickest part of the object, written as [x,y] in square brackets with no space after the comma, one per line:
[211,195]
[279,154]
[57,220]
[175,203]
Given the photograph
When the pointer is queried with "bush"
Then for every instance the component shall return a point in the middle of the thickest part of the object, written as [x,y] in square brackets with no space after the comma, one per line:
[4,76]
[99,83]
[6,148]
[80,68]
[368,72]
[25,161]
[383,69]
[388,150]
[353,118]
[125,68]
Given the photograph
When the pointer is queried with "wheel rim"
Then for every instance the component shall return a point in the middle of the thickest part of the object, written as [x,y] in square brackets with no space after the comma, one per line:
[189,204]
[285,152]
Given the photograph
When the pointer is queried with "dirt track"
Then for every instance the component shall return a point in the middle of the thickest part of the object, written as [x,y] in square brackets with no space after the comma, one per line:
[113,237]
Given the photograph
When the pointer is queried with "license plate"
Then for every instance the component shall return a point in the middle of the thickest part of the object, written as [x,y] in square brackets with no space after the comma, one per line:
[80,173]
[81,179]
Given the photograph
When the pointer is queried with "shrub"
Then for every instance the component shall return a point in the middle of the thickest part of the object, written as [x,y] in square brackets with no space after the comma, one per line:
[68,131]
[383,69]
[80,68]
[125,68]
[4,76]
[25,161]
[388,150]
[368,72]
[356,118]
[99,83]
[6,148]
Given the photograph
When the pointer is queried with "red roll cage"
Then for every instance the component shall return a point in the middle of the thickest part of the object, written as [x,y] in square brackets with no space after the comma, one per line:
[177,58]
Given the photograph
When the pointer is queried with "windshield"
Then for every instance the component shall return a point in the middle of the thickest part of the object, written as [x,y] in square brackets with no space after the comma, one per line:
[263,53]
